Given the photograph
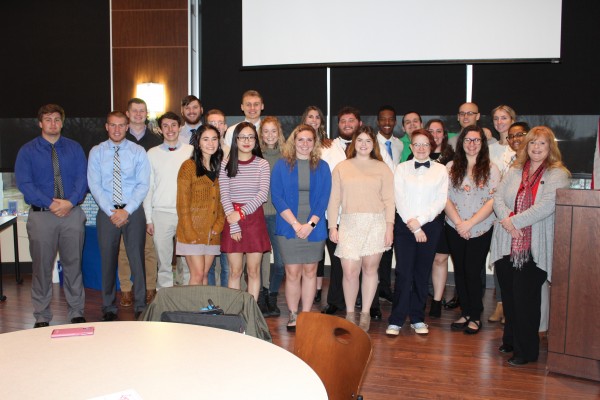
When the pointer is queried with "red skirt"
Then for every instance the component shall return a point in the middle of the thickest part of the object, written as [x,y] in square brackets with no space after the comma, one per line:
[255,238]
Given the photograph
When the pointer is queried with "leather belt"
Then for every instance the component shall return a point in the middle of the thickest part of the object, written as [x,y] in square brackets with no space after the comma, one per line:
[36,208]
[119,206]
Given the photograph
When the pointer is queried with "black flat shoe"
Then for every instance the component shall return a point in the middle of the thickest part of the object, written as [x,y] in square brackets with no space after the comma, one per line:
[330,309]
[375,314]
[517,361]
[78,320]
[41,324]
[472,331]
[459,326]
[109,316]
[318,296]
[453,303]
[505,348]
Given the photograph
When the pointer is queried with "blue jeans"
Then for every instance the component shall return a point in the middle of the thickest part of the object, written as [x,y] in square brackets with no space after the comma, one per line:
[277,270]
[224,271]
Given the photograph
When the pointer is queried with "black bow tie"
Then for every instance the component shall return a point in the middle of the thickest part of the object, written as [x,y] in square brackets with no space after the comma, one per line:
[425,164]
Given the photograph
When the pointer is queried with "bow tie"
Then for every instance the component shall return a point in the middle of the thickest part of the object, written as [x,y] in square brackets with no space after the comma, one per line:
[425,164]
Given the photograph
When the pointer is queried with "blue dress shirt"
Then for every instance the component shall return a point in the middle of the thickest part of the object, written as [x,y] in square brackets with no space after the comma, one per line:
[135,175]
[35,176]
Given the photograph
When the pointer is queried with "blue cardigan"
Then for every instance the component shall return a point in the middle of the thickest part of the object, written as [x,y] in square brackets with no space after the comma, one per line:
[284,193]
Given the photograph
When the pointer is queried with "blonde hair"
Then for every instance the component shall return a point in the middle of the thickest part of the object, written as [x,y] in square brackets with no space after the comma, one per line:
[289,150]
[554,159]
[280,137]
[507,109]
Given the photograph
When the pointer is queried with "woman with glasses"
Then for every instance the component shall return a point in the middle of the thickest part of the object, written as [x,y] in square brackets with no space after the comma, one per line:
[469,219]
[244,181]
[443,154]
[300,186]
[522,243]
[421,190]
[362,186]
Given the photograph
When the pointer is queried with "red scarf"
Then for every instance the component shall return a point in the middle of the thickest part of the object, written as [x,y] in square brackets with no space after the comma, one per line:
[520,249]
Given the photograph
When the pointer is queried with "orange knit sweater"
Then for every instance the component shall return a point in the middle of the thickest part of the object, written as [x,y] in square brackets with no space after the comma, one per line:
[199,207]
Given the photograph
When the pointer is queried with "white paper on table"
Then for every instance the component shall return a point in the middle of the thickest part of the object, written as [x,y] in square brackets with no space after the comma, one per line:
[128,394]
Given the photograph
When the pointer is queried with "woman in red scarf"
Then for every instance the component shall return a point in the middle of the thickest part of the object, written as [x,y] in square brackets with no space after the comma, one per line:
[522,244]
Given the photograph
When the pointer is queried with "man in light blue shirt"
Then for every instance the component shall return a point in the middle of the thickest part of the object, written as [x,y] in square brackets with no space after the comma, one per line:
[119,177]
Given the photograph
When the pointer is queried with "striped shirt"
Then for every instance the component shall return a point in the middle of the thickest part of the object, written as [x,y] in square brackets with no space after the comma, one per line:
[249,187]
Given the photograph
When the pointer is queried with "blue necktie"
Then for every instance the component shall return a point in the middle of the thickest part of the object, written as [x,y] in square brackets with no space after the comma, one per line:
[388,145]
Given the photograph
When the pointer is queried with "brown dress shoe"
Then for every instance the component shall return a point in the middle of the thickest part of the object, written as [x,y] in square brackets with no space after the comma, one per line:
[150,295]
[126,299]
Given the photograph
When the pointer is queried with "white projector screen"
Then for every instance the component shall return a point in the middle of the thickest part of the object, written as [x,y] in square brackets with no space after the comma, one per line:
[334,32]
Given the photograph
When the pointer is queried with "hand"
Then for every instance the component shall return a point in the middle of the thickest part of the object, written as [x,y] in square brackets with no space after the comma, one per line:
[304,231]
[233,217]
[516,233]
[507,224]
[464,228]
[150,229]
[388,239]
[420,236]
[413,224]
[60,207]
[333,235]
[236,236]
[119,217]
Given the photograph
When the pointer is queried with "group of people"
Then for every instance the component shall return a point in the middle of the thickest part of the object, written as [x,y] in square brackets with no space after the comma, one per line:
[244,191]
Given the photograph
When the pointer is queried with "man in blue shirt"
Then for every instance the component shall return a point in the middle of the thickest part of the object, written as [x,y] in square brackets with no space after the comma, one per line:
[51,173]
[119,176]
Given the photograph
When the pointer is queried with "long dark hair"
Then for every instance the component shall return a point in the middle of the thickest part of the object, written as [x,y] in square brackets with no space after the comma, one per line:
[446,151]
[481,170]
[232,164]
[198,157]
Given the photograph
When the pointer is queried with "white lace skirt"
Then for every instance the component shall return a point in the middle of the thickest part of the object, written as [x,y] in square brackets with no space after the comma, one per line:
[361,235]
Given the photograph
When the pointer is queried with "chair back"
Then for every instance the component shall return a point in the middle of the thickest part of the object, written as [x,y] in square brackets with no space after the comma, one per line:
[336,349]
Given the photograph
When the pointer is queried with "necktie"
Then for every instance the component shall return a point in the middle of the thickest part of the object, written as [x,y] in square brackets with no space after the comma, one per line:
[172,148]
[117,193]
[58,184]
[425,164]
[193,137]
[388,145]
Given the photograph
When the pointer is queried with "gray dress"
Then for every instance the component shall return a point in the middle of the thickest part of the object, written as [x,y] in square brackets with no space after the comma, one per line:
[301,251]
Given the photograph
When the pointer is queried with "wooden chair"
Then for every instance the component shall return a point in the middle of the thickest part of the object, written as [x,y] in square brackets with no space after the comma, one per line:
[336,349]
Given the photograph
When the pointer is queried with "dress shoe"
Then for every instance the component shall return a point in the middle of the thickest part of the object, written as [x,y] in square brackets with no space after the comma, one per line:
[358,303]
[435,310]
[318,296]
[41,324]
[137,315]
[505,348]
[78,320]
[498,314]
[150,295]
[109,316]
[453,303]
[126,299]
[517,361]
[330,309]
[375,314]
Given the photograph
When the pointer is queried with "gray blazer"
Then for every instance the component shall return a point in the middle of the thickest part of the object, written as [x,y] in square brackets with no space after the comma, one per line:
[540,216]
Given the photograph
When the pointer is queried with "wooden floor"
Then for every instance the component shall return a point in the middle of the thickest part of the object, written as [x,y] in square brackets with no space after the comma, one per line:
[443,364]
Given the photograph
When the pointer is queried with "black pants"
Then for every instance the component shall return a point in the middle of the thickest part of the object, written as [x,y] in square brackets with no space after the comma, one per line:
[522,301]
[469,257]
[335,295]
[385,273]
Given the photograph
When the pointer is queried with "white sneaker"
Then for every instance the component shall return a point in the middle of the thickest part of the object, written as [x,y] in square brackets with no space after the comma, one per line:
[393,330]
[420,328]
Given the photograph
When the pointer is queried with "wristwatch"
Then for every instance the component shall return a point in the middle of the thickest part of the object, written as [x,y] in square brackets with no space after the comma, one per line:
[312,224]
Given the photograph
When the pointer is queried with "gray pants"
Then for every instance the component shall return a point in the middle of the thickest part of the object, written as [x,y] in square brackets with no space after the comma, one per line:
[109,237]
[47,235]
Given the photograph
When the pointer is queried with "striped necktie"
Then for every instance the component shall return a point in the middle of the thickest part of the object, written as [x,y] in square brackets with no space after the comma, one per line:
[58,184]
[117,192]
[193,137]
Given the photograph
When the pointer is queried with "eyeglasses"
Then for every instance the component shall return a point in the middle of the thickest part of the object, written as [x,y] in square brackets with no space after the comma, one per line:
[246,138]
[468,113]
[419,145]
[516,135]
[472,140]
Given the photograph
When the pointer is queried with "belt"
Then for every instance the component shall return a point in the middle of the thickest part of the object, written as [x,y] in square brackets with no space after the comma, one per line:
[119,206]
[36,208]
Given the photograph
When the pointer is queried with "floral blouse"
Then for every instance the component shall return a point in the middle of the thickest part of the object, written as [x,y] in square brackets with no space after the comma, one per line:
[468,199]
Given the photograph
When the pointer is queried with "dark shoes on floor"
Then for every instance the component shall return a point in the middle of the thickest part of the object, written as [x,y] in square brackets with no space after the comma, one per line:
[459,326]
[109,316]
[330,309]
[472,331]
[435,310]
[453,303]
[272,309]
[518,361]
[318,296]
[375,314]
[78,320]
[41,324]
[505,348]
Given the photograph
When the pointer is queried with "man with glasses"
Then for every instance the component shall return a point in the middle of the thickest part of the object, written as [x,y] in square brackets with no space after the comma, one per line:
[468,114]
[119,176]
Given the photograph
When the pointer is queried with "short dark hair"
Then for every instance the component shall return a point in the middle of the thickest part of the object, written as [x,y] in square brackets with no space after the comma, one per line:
[523,125]
[136,100]
[189,99]
[49,109]
[412,112]
[386,108]
[349,110]
[169,115]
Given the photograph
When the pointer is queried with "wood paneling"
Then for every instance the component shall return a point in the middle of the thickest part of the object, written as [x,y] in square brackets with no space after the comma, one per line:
[150,44]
